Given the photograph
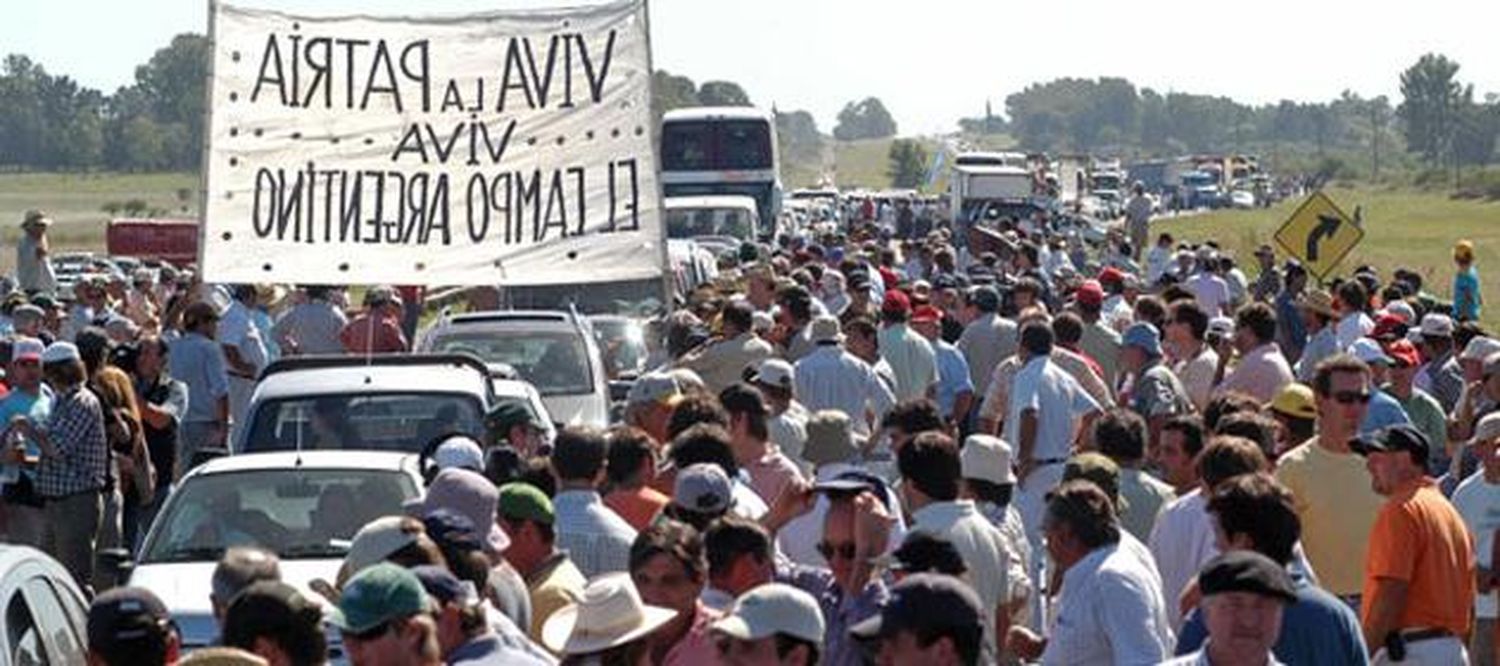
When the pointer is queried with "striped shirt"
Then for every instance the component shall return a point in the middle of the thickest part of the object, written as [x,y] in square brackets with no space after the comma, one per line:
[596,538]
[76,429]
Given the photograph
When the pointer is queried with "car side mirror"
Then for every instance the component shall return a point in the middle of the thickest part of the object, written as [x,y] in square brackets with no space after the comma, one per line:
[116,564]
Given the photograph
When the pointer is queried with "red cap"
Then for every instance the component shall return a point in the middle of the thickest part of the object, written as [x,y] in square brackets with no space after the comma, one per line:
[896,301]
[1404,352]
[1388,325]
[1111,274]
[1089,293]
[926,314]
[889,277]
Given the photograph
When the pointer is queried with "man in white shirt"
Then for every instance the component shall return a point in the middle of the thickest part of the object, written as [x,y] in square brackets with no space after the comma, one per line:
[244,351]
[930,473]
[1109,609]
[831,378]
[1193,359]
[1352,302]
[1183,538]
[1159,259]
[1047,410]
[1478,501]
[1211,290]
[596,538]
[910,356]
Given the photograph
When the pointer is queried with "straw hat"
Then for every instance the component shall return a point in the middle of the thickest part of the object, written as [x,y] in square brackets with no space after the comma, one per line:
[1318,301]
[610,614]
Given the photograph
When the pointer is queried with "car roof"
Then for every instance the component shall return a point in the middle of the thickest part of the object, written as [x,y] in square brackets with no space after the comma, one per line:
[364,379]
[315,460]
[716,113]
[709,201]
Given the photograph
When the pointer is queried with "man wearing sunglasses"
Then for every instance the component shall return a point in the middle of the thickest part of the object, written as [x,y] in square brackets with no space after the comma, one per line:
[1334,500]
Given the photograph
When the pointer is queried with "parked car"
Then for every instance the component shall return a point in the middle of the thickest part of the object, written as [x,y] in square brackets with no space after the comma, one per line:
[393,402]
[45,613]
[623,344]
[303,506]
[553,350]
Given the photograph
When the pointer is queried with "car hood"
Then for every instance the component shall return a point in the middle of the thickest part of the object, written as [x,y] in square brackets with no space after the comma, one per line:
[185,586]
[577,409]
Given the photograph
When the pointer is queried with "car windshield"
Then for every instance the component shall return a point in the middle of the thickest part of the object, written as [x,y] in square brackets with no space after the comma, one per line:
[382,421]
[555,362]
[296,513]
[623,344]
[694,222]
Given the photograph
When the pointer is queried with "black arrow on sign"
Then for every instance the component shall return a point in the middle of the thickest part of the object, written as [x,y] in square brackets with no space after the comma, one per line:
[1327,226]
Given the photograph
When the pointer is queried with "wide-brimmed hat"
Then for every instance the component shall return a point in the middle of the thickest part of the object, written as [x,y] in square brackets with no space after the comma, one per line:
[35,218]
[469,494]
[1318,301]
[830,438]
[826,329]
[609,614]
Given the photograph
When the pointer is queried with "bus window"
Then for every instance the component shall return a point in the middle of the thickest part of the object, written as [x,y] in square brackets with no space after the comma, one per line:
[746,145]
[686,146]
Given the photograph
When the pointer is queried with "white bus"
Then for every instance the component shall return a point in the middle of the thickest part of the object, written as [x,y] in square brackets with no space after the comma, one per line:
[722,150]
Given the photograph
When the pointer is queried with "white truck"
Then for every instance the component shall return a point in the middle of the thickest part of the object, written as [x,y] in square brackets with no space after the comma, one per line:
[974,187]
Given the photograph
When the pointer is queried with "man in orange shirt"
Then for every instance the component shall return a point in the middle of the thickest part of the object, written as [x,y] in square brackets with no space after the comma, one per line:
[1419,571]
[378,330]
[631,469]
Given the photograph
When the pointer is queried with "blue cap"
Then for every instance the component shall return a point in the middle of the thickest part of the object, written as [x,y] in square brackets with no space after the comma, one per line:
[1143,335]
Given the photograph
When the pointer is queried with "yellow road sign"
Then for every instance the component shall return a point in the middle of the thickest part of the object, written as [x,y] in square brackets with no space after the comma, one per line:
[1319,234]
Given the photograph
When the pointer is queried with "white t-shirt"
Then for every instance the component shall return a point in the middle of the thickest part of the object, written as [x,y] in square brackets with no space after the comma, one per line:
[1478,501]
[1211,291]
[1059,401]
[1182,540]
[1109,612]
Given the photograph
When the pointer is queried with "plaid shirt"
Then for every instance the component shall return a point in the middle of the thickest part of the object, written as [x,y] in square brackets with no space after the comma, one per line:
[76,430]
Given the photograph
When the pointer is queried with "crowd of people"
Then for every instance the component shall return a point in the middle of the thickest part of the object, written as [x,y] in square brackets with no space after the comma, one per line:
[857,447]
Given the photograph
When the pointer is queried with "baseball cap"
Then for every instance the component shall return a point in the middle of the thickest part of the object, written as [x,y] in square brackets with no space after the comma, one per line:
[1391,438]
[267,607]
[1479,349]
[1388,326]
[1295,400]
[509,413]
[654,388]
[1488,428]
[1246,571]
[703,488]
[1089,293]
[377,595]
[523,501]
[926,314]
[896,301]
[774,372]
[59,352]
[987,458]
[1369,351]
[1221,325]
[26,349]
[459,452]
[1110,274]
[1403,310]
[924,551]
[446,588]
[926,602]
[771,609]
[126,618]
[826,329]
[1437,325]
[376,541]
[1143,335]
[1404,353]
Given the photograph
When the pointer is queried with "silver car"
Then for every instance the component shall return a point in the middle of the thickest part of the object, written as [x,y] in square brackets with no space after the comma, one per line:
[554,351]
[303,506]
[45,613]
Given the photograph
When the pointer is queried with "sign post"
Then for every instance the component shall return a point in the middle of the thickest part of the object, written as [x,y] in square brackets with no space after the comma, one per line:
[503,148]
[1319,234]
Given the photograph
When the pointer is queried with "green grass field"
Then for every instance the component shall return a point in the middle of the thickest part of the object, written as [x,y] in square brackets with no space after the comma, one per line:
[75,201]
[1403,228]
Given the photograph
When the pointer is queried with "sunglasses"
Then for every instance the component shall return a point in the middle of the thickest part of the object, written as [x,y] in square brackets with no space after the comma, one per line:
[1352,397]
[844,551]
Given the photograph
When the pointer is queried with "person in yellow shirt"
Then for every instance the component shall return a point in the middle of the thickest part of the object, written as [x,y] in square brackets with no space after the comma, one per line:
[526,515]
[1332,492]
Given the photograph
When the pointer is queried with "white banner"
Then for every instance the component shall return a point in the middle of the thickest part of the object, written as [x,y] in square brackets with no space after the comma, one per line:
[511,147]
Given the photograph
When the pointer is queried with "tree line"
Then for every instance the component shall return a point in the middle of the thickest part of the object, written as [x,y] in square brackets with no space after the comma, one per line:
[155,124]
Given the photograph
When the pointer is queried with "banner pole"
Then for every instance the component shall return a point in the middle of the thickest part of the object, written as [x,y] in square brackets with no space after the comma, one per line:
[655,134]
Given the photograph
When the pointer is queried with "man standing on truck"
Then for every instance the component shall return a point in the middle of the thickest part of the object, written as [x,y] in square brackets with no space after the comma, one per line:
[33,261]
[1137,218]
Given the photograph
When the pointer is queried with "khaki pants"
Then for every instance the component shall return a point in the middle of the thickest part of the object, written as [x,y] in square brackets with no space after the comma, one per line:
[72,525]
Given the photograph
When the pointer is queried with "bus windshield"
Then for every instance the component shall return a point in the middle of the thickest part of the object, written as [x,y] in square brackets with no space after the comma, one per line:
[716,145]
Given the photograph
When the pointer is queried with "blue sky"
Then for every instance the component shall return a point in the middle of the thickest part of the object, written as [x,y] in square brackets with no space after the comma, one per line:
[931,61]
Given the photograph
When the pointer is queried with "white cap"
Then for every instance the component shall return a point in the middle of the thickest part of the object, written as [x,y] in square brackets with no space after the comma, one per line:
[1369,351]
[1221,325]
[1437,325]
[459,451]
[770,609]
[775,372]
[60,351]
[1488,428]
[1480,348]
[987,458]
[1403,310]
